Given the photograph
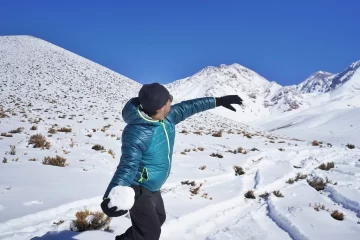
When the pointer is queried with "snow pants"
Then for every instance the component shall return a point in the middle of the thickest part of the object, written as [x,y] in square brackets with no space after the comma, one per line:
[147,216]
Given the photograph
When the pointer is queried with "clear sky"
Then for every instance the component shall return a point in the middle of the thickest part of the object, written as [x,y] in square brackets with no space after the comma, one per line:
[165,40]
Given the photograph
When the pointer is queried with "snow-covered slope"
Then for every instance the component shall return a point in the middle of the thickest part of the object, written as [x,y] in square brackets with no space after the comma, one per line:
[45,88]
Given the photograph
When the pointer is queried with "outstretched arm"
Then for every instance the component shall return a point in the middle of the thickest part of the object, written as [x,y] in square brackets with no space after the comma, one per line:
[185,109]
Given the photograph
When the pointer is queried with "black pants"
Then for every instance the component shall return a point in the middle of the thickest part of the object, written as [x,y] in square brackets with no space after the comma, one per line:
[147,216]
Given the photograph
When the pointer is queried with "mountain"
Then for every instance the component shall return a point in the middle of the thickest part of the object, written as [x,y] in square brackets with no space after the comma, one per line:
[349,79]
[317,82]
[41,76]
[262,98]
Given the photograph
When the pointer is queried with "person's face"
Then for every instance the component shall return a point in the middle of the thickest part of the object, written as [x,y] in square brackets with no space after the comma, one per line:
[165,110]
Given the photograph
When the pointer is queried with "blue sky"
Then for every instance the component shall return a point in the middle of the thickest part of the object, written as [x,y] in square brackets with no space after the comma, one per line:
[165,40]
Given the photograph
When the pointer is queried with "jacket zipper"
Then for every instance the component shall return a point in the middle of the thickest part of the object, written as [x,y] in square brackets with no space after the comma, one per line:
[168,142]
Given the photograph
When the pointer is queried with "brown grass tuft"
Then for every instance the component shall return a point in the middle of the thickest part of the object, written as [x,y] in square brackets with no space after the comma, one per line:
[238,170]
[39,141]
[327,166]
[218,155]
[87,220]
[250,194]
[111,152]
[318,183]
[202,167]
[337,215]
[98,147]
[55,161]
[350,146]
[217,134]
[64,129]
[18,130]
[34,128]
[52,130]
[264,195]
[315,143]
[278,193]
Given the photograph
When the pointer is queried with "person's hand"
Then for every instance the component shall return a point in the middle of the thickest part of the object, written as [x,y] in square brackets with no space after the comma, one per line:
[226,101]
[111,212]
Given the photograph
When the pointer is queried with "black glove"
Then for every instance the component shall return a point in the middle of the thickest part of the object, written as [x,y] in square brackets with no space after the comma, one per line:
[111,212]
[226,101]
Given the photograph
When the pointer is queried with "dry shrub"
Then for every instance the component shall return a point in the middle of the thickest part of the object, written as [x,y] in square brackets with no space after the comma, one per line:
[94,129]
[241,150]
[327,166]
[281,149]
[265,195]
[248,135]
[290,181]
[337,215]
[202,167]
[39,141]
[201,149]
[34,128]
[195,190]
[187,150]
[87,220]
[250,194]
[64,129]
[184,131]
[350,146]
[238,170]
[55,161]
[319,207]
[195,150]
[12,150]
[300,176]
[52,130]
[89,135]
[217,134]
[318,183]
[218,155]
[111,152]
[187,182]
[278,193]
[315,143]
[198,133]
[98,147]
[6,135]
[18,130]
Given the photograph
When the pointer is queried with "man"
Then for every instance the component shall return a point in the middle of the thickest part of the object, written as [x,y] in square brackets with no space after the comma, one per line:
[147,147]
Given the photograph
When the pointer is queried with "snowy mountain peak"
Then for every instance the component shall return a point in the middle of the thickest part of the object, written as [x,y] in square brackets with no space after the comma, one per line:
[350,77]
[317,82]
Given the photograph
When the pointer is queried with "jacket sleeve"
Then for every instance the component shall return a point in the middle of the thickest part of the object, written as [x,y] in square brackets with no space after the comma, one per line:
[133,146]
[185,109]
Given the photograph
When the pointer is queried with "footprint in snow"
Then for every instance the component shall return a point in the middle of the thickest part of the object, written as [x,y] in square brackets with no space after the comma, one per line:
[32,203]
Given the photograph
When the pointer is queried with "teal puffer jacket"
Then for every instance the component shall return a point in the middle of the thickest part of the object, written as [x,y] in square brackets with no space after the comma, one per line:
[147,145]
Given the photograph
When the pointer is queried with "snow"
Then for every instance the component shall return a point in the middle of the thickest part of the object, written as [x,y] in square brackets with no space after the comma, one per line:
[121,197]
[40,201]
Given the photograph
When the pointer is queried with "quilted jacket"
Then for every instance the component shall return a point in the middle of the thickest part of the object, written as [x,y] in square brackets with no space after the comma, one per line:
[147,145]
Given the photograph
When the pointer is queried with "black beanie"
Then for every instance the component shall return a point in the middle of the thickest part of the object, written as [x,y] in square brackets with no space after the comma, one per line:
[153,97]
